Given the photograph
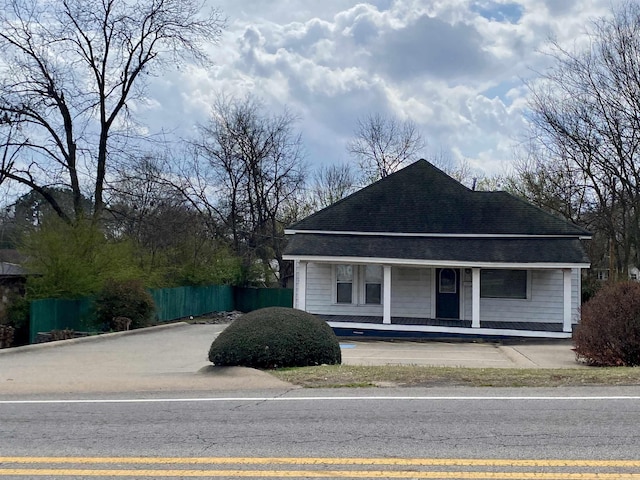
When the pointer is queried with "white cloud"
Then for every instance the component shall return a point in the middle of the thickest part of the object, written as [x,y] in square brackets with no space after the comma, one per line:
[455,67]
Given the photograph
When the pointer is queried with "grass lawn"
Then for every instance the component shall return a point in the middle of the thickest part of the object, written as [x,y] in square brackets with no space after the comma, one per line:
[334,376]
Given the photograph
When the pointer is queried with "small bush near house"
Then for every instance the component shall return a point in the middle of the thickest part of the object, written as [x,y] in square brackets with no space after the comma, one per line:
[124,298]
[609,330]
[276,337]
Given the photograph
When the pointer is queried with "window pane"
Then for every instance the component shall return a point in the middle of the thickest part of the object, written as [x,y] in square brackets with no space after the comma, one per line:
[344,273]
[373,293]
[448,280]
[344,293]
[373,274]
[503,283]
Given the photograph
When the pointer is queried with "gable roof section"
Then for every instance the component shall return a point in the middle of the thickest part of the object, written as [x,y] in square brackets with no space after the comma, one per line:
[421,199]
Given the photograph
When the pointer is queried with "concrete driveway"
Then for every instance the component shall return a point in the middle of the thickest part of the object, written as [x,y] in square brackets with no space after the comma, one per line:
[174,358]
[166,358]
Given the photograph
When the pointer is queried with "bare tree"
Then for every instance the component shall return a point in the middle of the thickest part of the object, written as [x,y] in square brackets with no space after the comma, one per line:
[555,185]
[382,145]
[332,183]
[586,119]
[458,169]
[249,167]
[146,208]
[175,244]
[71,67]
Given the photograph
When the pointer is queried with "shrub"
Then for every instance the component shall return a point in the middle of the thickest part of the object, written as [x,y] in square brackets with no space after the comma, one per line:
[276,337]
[609,330]
[73,261]
[124,298]
[17,316]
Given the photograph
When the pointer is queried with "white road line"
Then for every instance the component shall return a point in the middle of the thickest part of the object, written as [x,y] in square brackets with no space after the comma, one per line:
[316,399]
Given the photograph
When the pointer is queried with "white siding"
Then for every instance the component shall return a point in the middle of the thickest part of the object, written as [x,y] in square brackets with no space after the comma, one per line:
[411,292]
[544,305]
[296,283]
[576,294]
[321,296]
[467,300]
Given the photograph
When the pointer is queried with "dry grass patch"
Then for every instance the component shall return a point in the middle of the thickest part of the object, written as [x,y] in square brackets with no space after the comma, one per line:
[336,376]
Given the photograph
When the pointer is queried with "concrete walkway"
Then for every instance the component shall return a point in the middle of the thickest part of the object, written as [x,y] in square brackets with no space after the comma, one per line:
[174,358]
[556,354]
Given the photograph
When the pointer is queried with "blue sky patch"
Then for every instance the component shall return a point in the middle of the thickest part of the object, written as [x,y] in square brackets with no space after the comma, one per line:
[499,12]
[500,91]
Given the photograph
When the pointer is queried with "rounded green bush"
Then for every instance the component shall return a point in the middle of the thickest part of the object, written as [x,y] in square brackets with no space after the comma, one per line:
[609,330]
[276,337]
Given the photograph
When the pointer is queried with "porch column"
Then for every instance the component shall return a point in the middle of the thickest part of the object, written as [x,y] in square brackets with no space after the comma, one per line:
[386,294]
[301,289]
[475,298]
[566,320]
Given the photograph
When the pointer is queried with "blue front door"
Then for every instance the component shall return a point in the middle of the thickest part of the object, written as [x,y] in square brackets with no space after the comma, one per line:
[447,293]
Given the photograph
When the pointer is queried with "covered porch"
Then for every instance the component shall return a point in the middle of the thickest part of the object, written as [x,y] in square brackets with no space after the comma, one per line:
[431,299]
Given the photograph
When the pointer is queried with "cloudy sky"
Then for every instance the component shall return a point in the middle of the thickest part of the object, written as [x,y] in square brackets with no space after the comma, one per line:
[454,67]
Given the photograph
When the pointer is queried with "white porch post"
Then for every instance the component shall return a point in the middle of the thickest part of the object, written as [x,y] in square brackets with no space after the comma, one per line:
[302,286]
[475,298]
[566,320]
[386,294]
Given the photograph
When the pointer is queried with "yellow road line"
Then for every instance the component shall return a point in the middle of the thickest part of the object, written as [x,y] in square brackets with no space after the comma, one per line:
[318,474]
[461,462]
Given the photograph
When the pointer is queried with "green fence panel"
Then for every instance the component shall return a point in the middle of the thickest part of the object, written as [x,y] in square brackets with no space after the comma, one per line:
[249,299]
[60,314]
[181,302]
[171,304]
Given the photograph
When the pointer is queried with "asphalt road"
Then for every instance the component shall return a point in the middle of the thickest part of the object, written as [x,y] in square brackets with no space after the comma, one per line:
[584,423]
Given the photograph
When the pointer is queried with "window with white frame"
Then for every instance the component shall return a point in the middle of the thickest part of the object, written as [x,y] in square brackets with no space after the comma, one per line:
[373,284]
[497,283]
[344,283]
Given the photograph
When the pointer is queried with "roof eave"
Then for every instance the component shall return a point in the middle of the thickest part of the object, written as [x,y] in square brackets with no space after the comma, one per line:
[436,235]
[434,263]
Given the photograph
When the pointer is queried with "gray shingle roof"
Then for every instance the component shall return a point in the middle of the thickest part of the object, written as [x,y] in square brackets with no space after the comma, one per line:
[488,250]
[422,199]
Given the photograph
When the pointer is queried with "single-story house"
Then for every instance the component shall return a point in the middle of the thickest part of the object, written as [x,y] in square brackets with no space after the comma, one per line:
[419,254]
